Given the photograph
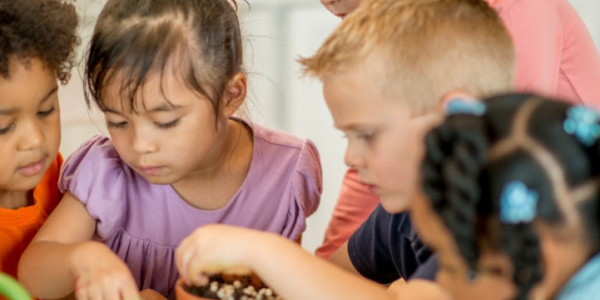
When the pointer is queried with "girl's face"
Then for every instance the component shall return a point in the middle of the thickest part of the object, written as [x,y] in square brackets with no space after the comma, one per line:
[29,125]
[341,8]
[493,281]
[172,133]
[385,142]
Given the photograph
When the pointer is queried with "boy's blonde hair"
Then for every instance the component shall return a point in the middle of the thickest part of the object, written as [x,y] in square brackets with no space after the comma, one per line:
[422,49]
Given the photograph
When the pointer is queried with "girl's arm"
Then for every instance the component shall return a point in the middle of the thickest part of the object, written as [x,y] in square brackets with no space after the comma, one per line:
[62,255]
[289,270]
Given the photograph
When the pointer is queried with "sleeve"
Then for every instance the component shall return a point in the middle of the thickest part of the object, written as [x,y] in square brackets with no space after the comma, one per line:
[580,65]
[369,248]
[307,187]
[355,203]
[535,28]
[94,174]
[427,270]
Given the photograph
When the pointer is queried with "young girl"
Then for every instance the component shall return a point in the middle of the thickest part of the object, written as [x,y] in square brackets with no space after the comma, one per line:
[556,57]
[512,204]
[168,77]
[31,65]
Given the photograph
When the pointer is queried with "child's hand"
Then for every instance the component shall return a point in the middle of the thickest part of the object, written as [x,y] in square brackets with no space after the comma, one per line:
[101,275]
[149,294]
[216,249]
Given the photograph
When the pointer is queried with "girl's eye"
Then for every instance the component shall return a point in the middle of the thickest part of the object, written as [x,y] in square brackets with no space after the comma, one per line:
[168,125]
[45,113]
[116,125]
[7,129]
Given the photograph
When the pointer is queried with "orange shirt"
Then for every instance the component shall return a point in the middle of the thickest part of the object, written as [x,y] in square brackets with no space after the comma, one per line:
[18,227]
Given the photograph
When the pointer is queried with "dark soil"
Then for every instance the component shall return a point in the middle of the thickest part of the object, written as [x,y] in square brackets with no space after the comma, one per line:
[233,287]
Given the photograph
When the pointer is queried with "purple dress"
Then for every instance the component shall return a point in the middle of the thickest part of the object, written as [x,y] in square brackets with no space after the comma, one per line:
[143,223]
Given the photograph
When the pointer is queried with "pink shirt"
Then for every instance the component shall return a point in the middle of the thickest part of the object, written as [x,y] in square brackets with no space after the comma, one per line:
[556,57]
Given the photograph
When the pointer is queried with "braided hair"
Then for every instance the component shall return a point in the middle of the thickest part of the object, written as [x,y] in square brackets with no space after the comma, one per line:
[470,160]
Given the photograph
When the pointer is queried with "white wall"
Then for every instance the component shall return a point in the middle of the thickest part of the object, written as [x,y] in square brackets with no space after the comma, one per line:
[276,32]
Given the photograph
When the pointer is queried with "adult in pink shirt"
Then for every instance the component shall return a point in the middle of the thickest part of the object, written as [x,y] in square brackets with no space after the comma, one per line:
[556,57]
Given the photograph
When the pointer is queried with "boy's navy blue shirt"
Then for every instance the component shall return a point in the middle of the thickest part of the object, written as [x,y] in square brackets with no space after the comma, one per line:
[386,248]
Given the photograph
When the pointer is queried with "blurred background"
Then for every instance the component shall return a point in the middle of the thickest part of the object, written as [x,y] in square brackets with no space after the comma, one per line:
[276,33]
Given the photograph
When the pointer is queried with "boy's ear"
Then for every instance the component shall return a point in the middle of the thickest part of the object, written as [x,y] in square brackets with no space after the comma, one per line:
[235,94]
[456,95]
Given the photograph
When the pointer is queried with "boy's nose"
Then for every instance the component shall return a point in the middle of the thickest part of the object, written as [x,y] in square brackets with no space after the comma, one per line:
[354,159]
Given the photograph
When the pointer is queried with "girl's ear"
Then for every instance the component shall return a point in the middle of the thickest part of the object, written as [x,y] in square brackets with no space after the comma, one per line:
[235,94]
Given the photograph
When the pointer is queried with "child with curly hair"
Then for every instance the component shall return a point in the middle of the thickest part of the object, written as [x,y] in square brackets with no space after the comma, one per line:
[511,202]
[37,48]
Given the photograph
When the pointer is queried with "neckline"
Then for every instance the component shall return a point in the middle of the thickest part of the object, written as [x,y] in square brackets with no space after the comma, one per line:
[23,214]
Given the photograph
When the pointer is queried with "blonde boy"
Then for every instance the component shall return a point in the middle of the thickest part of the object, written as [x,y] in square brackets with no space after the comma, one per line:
[388,71]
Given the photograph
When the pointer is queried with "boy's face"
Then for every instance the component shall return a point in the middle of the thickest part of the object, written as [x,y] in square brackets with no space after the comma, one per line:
[385,143]
[341,8]
[29,125]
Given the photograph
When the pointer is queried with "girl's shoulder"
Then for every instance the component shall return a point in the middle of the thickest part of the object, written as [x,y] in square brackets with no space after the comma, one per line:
[284,159]
[270,137]
[95,158]
[97,176]
[285,149]
[95,171]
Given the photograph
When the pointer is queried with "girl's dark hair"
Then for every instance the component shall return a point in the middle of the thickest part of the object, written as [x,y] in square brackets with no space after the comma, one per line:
[44,29]
[471,159]
[198,40]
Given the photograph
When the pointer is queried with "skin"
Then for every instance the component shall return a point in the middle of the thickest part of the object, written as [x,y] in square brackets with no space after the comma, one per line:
[171,138]
[341,8]
[29,130]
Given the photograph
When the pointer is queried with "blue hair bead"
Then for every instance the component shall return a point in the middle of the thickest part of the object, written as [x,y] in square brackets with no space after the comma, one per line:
[582,122]
[460,106]
[518,204]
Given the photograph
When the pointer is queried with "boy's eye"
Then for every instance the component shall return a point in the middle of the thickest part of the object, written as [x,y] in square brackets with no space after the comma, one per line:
[116,125]
[169,124]
[7,129]
[368,137]
[45,113]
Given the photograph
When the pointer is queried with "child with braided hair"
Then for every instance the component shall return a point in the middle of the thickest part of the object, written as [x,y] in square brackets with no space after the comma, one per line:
[511,202]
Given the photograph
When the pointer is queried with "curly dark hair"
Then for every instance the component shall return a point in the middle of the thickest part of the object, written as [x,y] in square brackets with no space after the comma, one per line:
[138,38]
[44,29]
[470,160]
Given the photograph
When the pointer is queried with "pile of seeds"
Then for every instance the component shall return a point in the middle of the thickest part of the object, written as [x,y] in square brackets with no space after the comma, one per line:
[228,287]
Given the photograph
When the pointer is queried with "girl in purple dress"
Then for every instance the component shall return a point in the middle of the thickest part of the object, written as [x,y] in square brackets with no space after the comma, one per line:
[168,77]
